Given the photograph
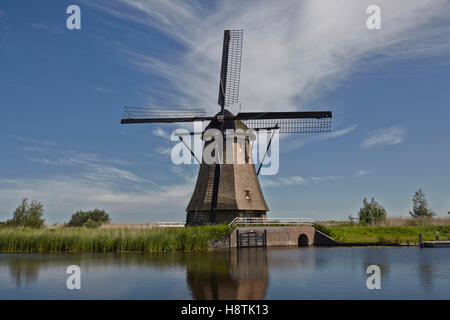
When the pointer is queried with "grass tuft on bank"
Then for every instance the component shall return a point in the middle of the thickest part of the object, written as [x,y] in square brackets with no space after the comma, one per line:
[16,239]
[355,233]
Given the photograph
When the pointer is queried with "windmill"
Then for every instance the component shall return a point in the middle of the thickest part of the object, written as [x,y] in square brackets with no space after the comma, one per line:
[225,191]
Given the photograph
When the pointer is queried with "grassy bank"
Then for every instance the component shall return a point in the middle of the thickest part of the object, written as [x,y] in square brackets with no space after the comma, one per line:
[354,233]
[108,240]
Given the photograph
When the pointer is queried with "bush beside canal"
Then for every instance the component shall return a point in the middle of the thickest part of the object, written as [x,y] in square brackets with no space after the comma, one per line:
[109,240]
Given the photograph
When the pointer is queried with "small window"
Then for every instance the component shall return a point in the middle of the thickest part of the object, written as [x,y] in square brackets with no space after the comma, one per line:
[247,195]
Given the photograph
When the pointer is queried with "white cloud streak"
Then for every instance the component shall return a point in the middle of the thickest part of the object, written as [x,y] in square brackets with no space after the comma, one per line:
[326,178]
[294,51]
[291,144]
[36,141]
[361,173]
[95,167]
[33,149]
[103,90]
[161,133]
[280,182]
[44,26]
[389,136]
[295,180]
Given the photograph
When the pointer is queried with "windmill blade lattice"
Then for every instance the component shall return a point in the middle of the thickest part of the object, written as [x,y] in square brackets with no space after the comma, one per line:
[288,122]
[154,115]
[230,73]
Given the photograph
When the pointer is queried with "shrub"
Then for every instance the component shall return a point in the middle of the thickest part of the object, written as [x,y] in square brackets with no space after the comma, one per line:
[92,224]
[371,212]
[89,219]
[27,215]
[420,206]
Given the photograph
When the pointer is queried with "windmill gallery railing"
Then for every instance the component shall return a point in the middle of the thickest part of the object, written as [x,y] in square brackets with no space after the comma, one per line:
[241,221]
[171,224]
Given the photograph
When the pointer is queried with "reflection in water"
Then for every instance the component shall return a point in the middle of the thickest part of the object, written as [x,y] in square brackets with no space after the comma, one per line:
[222,274]
[378,257]
[240,274]
[425,272]
[425,269]
[23,270]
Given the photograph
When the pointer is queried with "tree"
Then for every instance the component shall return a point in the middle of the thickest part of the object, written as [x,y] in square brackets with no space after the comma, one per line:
[90,219]
[371,212]
[420,206]
[28,215]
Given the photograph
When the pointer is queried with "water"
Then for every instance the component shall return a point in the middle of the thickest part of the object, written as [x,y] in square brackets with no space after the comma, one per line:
[273,273]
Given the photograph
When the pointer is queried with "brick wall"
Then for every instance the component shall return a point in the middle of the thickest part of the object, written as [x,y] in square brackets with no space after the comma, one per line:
[278,236]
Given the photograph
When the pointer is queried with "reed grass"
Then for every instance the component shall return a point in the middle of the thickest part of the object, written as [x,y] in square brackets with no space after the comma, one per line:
[355,233]
[399,221]
[109,240]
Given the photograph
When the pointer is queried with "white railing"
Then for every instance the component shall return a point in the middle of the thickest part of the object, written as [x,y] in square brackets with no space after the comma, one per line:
[241,221]
[171,224]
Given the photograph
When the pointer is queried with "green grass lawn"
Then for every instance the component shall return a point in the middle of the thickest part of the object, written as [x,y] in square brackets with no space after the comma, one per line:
[108,240]
[384,234]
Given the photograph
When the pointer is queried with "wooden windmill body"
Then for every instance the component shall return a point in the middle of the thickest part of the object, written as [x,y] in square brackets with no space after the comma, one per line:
[229,189]
[239,192]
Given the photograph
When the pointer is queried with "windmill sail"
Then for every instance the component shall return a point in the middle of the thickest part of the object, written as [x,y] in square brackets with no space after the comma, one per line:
[154,115]
[230,72]
[288,122]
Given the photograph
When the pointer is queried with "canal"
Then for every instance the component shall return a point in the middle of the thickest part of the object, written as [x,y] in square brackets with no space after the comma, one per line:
[250,273]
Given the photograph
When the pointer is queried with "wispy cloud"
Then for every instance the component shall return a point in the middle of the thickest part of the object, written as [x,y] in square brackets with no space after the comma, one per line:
[164,151]
[280,181]
[93,181]
[291,144]
[389,136]
[103,90]
[361,173]
[45,26]
[63,195]
[295,180]
[326,178]
[33,149]
[286,62]
[161,133]
[95,167]
[36,141]
[103,173]
[70,160]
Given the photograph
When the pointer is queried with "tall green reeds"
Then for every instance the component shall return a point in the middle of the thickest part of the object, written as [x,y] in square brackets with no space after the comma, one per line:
[108,240]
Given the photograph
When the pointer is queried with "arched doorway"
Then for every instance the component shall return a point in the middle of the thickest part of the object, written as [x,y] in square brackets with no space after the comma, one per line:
[303,240]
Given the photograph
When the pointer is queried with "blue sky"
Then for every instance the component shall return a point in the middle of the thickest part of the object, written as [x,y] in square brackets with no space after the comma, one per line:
[62,93]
